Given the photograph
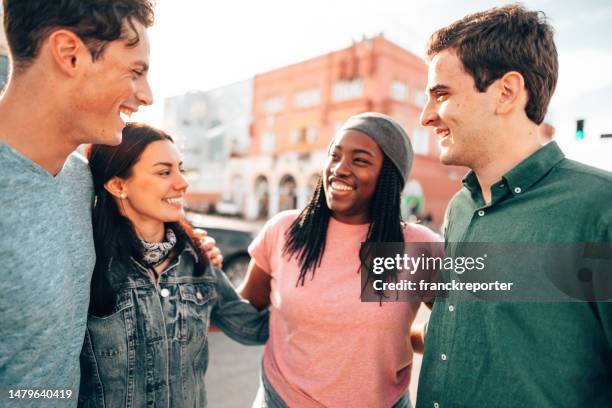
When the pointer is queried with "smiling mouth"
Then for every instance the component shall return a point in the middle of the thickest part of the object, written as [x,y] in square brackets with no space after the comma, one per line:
[443,133]
[174,200]
[338,186]
[125,114]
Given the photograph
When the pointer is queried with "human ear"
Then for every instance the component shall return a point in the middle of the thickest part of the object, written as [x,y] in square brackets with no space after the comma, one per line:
[116,187]
[512,93]
[67,51]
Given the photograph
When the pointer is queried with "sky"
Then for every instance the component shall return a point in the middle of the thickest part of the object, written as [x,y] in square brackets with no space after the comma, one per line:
[202,45]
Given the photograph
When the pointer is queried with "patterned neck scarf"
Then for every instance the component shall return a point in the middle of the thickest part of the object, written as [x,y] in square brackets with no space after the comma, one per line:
[157,252]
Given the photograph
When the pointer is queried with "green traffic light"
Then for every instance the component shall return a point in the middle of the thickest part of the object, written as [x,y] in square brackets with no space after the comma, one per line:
[580,129]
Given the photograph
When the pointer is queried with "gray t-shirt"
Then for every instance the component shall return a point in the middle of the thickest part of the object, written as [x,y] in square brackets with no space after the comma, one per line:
[47,257]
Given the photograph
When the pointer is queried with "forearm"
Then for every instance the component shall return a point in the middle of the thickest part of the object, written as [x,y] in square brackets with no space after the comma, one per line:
[236,317]
[417,337]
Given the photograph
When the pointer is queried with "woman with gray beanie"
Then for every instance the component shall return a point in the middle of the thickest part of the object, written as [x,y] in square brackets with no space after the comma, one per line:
[326,347]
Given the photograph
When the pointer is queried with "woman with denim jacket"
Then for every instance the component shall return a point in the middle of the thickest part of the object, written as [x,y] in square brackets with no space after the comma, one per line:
[327,348]
[154,292]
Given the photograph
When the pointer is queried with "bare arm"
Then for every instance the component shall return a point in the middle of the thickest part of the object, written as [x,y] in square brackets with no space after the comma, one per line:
[256,286]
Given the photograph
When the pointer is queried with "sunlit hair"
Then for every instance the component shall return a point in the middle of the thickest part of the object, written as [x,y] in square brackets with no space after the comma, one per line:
[97,22]
[114,235]
[503,39]
[306,237]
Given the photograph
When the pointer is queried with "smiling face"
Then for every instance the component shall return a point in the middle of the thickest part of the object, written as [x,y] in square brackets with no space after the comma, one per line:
[350,176]
[155,190]
[462,117]
[112,88]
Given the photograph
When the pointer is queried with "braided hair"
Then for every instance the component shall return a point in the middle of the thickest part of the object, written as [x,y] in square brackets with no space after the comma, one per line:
[307,233]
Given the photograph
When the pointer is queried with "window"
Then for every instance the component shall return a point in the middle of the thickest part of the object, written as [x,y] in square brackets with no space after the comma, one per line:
[273,105]
[345,90]
[303,135]
[294,136]
[307,98]
[399,91]
[268,142]
[4,69]
[419,98]
[311,135]
[420,142]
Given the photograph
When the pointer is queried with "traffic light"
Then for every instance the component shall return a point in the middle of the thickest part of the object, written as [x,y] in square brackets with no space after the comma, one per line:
[580,129]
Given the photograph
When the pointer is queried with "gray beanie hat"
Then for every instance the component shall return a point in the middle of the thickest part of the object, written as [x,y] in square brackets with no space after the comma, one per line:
[389,135]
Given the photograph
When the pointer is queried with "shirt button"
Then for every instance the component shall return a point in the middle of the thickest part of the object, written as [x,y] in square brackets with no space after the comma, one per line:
[164,292]
[199,296]
[436,405]
[502,186]
[451,308]
[443,357]
[517,190]
[481,213]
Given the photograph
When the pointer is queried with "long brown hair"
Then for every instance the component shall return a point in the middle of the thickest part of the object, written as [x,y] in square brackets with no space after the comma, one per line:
[114,234]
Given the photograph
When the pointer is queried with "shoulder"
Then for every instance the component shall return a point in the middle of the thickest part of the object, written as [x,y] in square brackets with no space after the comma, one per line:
[76,171]
[282,220]
[589,177]
[77,162]
[419,233]
[78,159]
[588,186]
[461,197]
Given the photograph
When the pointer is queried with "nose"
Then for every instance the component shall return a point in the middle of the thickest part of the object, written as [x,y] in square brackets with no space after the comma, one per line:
[144,95]
[340,168]
[429,116]
[181,182]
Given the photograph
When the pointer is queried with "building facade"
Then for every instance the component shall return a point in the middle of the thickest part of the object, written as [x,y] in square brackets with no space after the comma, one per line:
[210,127]
[297,109]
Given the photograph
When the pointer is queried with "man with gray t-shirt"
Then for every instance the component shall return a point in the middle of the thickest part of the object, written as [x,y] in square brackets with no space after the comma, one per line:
[78,69]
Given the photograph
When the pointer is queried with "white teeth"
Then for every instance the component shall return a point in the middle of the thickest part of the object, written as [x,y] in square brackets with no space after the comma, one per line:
[340,186]
[174,200]
[125,114]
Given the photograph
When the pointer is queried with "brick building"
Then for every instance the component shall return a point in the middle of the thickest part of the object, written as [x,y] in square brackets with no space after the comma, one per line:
[298,108]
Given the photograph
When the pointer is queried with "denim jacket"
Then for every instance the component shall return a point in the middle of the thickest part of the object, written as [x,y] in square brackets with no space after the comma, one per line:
[153,349]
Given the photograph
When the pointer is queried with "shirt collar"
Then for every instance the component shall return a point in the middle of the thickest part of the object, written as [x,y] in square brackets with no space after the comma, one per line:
[470,181]
[525,174]
[532,169]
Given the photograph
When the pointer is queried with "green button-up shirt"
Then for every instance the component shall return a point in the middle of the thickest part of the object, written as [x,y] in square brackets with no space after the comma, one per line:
[517,354]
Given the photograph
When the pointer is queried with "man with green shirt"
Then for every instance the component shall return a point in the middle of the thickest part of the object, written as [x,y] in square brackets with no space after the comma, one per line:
[491,77]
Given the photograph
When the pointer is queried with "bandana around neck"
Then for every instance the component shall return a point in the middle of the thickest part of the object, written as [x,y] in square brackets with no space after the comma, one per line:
[154,253]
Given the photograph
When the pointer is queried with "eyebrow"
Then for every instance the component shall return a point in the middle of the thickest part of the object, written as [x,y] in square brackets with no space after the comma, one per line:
[357,151]
[363,151]
[438,87]
[166,164]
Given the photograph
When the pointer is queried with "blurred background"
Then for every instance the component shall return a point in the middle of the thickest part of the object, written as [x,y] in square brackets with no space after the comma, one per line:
[254,91]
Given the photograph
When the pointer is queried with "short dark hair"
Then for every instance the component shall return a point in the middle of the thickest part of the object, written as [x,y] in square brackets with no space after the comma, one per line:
[96,22]
[502,39]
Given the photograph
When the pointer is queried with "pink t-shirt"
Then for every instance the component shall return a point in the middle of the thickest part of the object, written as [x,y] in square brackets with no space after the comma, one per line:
[326,347]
